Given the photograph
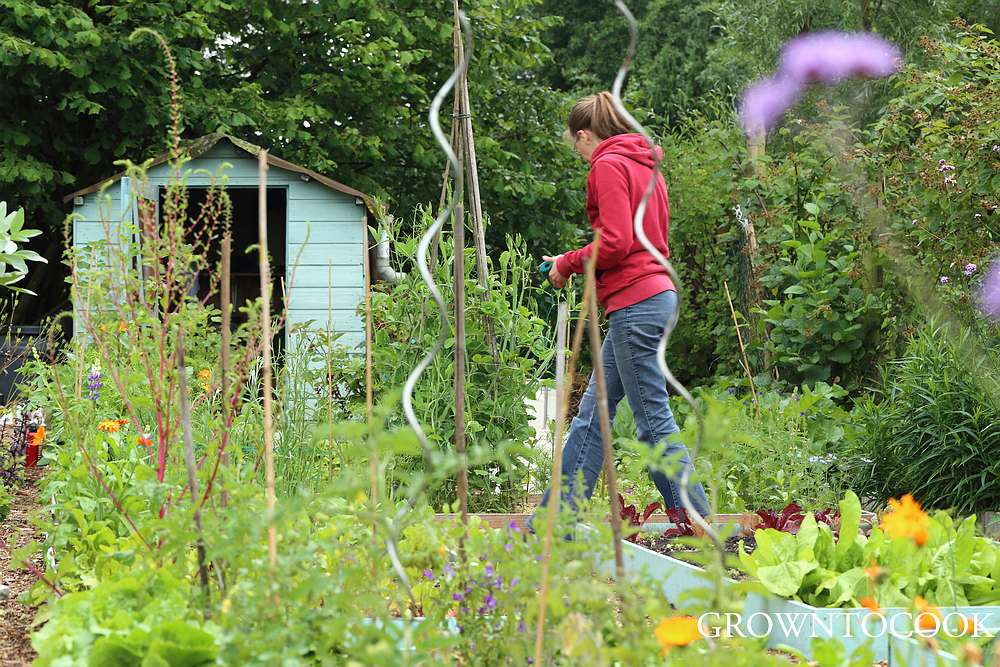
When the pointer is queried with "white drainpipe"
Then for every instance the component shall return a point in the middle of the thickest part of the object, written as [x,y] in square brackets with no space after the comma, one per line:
[382,270]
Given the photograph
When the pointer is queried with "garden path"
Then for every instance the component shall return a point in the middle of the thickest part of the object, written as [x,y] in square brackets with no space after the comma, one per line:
[16,618]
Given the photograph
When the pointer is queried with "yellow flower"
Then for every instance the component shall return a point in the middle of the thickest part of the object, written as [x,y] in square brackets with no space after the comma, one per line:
[928,616]
[906,519]
[110,425]
[122,327]
[360,497]
[204,375]
[677,631]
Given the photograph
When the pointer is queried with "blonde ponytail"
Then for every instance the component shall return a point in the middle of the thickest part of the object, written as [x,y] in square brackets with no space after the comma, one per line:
[597,113]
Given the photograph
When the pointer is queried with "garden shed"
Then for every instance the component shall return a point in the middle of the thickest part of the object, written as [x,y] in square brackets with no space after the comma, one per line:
[317,229]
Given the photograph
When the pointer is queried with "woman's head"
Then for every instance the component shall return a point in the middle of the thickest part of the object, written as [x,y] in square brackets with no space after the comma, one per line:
[592,120]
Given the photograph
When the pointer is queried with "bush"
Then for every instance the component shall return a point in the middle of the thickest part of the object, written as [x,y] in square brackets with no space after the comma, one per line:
[933,428]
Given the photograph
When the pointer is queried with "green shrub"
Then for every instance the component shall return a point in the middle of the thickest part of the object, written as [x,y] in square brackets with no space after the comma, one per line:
[933,428]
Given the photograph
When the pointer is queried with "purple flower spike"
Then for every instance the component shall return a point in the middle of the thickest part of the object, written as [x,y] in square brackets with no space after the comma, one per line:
[449,571]
[428,575]
[831,57]
[488,570]
[507,547]
[989,294]
[514,582]
[490,601]
[457,597]
[520,626]
[766,101]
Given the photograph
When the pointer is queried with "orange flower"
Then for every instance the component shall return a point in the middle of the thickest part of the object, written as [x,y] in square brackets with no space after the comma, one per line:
[145,441]
[109,425]
[677,631]
[122,327]
[870,604]
[966,626]
[204,375]
[873,570]
[906,519]
[39,436]
[928,616]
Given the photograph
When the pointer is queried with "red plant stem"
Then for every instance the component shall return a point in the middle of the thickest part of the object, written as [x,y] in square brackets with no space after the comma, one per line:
[31,567]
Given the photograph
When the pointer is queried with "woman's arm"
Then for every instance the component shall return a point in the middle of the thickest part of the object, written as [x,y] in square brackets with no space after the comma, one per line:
[610,184]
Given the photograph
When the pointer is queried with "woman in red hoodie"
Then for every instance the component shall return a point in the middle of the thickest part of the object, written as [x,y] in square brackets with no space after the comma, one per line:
[637,295]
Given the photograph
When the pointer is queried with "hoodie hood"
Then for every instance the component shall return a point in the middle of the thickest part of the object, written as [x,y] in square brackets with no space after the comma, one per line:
[631,146]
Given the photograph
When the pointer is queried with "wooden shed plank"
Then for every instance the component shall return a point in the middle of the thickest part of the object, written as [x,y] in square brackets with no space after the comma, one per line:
[326,231]
[320,254]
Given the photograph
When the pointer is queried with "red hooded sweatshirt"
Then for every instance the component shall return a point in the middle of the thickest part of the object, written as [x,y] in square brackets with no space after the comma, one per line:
[620,168]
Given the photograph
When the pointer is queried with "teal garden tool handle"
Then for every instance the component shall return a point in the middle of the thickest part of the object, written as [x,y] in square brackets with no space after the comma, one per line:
[545,267]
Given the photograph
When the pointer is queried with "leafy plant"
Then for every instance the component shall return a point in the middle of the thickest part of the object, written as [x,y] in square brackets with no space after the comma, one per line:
[790,518]
[932,428]
[954,567]
[682,524]
[13,232]
[635,519]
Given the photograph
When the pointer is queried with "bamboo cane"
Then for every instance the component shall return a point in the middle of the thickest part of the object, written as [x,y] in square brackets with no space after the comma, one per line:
[555,488]
[226,287]
[266,379]
[743,349]
[604,416]
[189,461]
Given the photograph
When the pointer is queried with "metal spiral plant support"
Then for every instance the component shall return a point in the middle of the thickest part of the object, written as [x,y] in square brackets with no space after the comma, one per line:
[425,273]
[640,233]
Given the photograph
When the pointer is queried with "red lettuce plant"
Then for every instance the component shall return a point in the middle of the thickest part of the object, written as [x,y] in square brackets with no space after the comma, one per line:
[682,524]
[789,519]
[631,514]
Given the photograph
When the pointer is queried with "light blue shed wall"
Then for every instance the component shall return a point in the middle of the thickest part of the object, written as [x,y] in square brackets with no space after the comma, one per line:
[325,228]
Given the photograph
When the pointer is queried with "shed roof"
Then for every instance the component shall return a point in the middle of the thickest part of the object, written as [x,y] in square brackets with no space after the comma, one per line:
[203,144]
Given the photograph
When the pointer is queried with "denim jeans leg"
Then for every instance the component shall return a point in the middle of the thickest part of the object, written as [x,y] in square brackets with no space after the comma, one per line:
[584,449]
[635,334]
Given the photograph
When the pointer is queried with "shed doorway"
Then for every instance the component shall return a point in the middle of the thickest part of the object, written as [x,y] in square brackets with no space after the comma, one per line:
[244,266]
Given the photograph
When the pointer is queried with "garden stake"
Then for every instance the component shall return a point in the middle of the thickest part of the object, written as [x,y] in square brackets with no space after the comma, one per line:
[411,381]
[463,119]
[555,488]
[743,349]
[227,249]
[640,233]
[611,479]
[189,460]
[458,262]
[265,326]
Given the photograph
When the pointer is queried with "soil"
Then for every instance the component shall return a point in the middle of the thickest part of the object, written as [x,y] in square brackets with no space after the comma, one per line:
[15,618]
[670,546]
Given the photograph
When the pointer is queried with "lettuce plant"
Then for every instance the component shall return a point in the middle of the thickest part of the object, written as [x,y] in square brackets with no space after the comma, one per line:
[954,566]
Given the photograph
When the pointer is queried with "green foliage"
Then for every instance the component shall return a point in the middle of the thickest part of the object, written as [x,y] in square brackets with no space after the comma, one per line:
[13,232]
[933,427]
[954,567]
[935,148]
[407,324]
[6,500]
[141,619]
[752,462]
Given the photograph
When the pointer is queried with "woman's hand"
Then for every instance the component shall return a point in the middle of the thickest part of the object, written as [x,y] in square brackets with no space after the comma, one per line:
[557,279]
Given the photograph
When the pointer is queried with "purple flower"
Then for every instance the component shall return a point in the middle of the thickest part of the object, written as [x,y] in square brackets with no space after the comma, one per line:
[449,571]
[499,582]
[514,582]
[989,294]
[94,383]
[913,222]
[830,57]
[507,547]
[944,279]
[970,268]
[457,597]
[520,626]
[428,575]
[488,570]
[766,101]
[490,601]
[513,525]
[944,166]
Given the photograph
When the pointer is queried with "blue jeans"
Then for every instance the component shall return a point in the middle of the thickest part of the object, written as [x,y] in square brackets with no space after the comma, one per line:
[630,371]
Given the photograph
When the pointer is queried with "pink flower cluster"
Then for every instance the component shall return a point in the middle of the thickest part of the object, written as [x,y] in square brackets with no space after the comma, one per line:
[822,57]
